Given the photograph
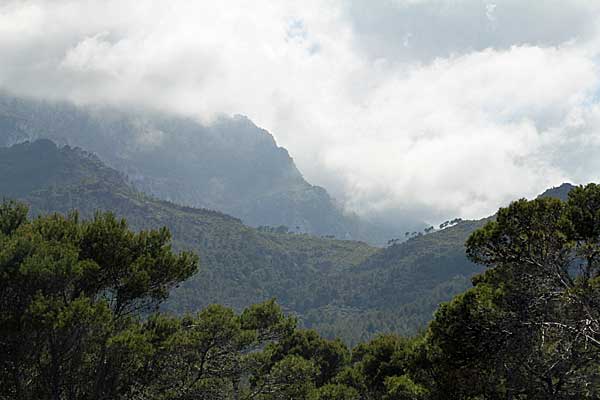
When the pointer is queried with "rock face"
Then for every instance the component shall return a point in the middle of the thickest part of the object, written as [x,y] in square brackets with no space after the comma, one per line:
[230,165]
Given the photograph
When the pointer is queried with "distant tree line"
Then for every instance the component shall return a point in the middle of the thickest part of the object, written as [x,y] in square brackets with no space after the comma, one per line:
[425,231]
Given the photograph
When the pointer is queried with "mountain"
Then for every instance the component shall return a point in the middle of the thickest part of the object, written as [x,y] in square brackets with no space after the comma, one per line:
[560,192]
[339,287]
[229,165]
[239,265]
[398,288]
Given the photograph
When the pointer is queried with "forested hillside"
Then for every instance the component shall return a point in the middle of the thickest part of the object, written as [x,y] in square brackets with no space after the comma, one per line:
[343,288]
[79,321]
[398,288]
[230,165]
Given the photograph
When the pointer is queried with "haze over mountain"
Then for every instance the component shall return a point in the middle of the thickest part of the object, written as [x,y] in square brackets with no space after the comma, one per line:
[230,165]
[342,288]
[431,108]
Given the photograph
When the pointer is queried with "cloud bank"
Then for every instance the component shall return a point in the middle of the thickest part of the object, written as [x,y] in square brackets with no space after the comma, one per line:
[437,108]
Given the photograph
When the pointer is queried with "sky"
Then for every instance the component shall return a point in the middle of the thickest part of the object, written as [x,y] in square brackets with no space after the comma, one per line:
[437,108]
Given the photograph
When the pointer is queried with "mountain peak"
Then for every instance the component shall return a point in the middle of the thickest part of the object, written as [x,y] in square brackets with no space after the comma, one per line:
[230,164]
[560,192]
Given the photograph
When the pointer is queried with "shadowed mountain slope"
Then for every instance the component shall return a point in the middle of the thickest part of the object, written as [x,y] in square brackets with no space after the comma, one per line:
[230,165]
[339,287]
[560,192]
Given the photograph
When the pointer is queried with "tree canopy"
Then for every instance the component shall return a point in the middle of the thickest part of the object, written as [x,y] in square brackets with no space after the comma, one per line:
[530,327]
[79,320]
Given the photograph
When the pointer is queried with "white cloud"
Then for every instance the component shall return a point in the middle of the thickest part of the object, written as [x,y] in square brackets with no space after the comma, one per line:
[397,106]
[489,11]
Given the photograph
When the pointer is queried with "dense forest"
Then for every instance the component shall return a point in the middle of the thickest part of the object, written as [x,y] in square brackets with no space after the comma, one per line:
[80,320]
[341,288]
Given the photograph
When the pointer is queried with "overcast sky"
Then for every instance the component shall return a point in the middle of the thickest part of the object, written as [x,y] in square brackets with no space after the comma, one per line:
[443,108]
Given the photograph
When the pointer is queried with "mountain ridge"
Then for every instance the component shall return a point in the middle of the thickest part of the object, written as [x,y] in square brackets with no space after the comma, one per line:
[331,285]
[230,165]
[560,192]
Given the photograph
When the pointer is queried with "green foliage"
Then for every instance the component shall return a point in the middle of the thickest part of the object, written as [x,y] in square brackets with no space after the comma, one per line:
[403,388]
[398,288]
[290,378]
[12,215]
[529,327]
[329,356]
[79,298]
[335,392]
[73,294]
[213,352]
[69,290]
[340,288]
[384,357]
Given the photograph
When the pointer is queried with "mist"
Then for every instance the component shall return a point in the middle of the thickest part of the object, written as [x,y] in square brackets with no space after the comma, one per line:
[377,102]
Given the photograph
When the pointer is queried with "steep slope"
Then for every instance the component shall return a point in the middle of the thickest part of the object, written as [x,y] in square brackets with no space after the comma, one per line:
[344,288]
[230,165]
[400,287]
[236,258]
